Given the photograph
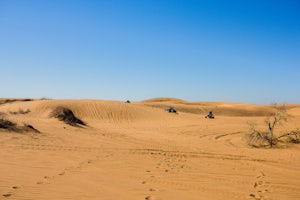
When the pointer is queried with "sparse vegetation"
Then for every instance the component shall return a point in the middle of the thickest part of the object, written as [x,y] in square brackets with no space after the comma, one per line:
[4,101]
[291,137]
[20,111]
[8,125]
[267,138]
[28,127]
[66,115]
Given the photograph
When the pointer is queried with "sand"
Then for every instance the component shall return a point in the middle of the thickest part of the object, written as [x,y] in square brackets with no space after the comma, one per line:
[139,151]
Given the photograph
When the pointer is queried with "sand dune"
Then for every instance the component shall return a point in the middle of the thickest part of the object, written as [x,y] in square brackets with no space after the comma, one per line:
[294,111]
[96,110]
[220,108]
[139,151]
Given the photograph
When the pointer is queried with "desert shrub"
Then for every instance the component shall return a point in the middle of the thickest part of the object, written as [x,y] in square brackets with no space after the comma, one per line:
[28,128]
[66,115]
[261,139]
[291,137]
[268,138]
[6,124]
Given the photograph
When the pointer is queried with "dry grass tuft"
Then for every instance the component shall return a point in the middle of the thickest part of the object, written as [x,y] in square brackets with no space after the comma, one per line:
[66,115]
[8,125]
[20,111]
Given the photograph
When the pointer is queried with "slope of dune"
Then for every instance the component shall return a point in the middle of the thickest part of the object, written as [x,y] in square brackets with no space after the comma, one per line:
[139,151]
[295,111]
[114,111]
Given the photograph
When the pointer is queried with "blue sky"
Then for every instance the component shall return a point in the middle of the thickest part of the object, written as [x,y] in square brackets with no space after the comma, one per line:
[213,50]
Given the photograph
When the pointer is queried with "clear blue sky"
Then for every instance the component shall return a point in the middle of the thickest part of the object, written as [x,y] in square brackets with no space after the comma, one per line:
[211,50]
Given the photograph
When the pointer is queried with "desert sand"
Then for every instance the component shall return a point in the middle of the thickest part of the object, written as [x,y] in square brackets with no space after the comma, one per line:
[139,151]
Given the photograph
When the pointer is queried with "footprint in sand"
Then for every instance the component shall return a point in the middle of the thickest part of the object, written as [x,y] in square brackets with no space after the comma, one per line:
[62,173]
[10,194]
[149,198]
[258,183]
[7,195]
[260,186]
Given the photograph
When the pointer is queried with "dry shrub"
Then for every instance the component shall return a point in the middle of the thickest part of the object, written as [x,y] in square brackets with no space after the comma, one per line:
[8,125]
[261,139]
[29,128]
[66,115]
[268,138]
[291,137]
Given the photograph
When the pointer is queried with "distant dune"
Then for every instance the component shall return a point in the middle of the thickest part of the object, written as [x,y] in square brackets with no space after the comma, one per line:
[220,108]
[152,108]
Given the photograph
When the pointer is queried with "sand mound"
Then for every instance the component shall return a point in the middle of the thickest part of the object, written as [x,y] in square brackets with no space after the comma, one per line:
[89,110]
[66,115]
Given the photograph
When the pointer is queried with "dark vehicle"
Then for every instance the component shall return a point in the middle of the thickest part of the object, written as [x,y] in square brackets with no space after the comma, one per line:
[210,115]
[171,110]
